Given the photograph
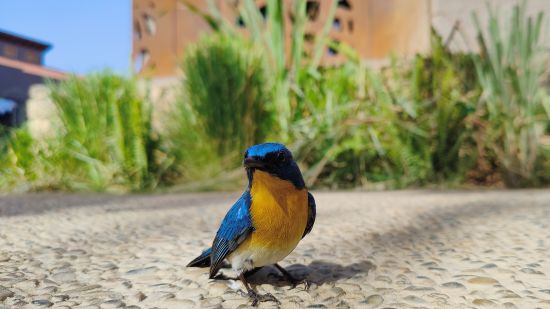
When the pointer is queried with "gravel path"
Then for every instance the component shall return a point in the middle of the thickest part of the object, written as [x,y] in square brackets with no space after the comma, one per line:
[367,250]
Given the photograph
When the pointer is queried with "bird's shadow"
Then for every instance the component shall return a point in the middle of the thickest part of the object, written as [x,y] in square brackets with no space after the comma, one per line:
[317,272]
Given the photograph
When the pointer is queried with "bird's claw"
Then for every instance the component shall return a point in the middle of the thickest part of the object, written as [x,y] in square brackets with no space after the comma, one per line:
[259,298]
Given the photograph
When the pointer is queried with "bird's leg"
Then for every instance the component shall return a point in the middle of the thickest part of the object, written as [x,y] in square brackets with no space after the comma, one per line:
[256,298]
[290,278]
[248,273]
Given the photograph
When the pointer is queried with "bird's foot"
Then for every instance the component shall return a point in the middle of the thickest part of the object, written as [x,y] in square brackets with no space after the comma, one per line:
[259,298]
[295,282]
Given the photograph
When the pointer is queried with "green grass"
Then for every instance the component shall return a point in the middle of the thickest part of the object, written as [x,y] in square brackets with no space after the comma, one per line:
[105,140]
[511,70]
[226,86]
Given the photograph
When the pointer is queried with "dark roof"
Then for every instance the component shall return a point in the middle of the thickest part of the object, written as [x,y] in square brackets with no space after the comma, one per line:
[31,68]
[21,40]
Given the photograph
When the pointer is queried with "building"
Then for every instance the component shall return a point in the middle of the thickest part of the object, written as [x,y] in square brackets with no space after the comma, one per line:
[21,66]
[164,28]
[374,28]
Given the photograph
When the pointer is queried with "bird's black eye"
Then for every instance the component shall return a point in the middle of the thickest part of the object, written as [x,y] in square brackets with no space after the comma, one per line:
[281,156]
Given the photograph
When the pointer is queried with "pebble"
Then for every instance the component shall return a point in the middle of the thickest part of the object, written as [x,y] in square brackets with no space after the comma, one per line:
[453,285]
[42,302]
[483,302]
[63,277]
[60,298]
[374,300]
[140,296]
[113,303]
[482,280]
[5,293]
[83,289]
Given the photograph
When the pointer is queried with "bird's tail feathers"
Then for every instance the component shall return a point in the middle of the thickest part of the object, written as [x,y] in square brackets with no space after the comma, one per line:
[202,260]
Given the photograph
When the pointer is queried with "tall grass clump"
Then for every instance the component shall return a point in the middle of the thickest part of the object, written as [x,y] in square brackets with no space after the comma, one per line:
[106,140]
[357,134]
[19,165]
[227,89]
[511,71]
[439,92]
[286,60]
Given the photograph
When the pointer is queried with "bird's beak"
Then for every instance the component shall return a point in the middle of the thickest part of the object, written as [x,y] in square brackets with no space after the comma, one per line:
[252,162]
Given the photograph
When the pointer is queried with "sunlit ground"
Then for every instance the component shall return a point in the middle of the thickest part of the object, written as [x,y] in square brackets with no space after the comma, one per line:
[391,249]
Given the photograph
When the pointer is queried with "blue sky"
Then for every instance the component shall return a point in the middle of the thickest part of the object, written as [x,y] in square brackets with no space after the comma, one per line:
[87,35]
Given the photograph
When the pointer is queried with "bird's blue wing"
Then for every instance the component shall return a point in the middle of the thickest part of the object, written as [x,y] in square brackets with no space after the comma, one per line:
[235,228]
[312,213]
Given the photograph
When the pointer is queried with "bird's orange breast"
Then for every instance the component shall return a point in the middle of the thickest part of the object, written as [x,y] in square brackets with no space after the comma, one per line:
[279,212]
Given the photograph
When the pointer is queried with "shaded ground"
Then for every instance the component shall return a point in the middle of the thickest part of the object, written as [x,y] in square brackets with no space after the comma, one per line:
[385,250]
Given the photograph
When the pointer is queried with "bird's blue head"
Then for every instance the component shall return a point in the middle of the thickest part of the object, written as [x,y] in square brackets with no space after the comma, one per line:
[273,158]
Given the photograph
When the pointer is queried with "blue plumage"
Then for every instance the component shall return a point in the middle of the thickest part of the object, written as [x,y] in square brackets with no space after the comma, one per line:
[234,229]
[262,150]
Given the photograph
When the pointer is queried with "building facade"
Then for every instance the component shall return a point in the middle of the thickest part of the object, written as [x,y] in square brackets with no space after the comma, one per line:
[374,28]
[21,66]
[163,29]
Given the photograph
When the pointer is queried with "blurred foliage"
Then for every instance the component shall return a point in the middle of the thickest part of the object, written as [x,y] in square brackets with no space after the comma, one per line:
[443,118]
[106,132]
[17,159]
[408,124]
[511,70]
[226,86]
[356,141]
[105,140]
[285,62]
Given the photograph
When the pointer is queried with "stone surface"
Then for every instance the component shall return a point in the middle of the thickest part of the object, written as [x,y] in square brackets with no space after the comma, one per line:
[5,293]
[367,250]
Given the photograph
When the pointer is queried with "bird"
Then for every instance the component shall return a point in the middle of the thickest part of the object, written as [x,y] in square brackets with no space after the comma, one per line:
[267,222]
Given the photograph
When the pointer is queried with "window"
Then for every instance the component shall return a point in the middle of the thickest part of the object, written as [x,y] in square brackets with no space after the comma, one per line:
[141,60]
[32,56]
[240,22]
[10,51]
[263,11]
[344,4]
[7,112]
[137,31]
[333,48]
[150,24]
[350,25]
[312,10]
[336,25]
[7,106]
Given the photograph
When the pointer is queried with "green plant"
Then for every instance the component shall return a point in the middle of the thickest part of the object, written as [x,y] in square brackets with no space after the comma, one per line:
[286,59]
[226,87]
[16,159]
[106,139]
[510,70]
[438,92]
[356,134]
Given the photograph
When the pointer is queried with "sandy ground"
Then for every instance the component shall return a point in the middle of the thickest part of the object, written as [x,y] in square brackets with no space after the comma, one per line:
[409,249]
